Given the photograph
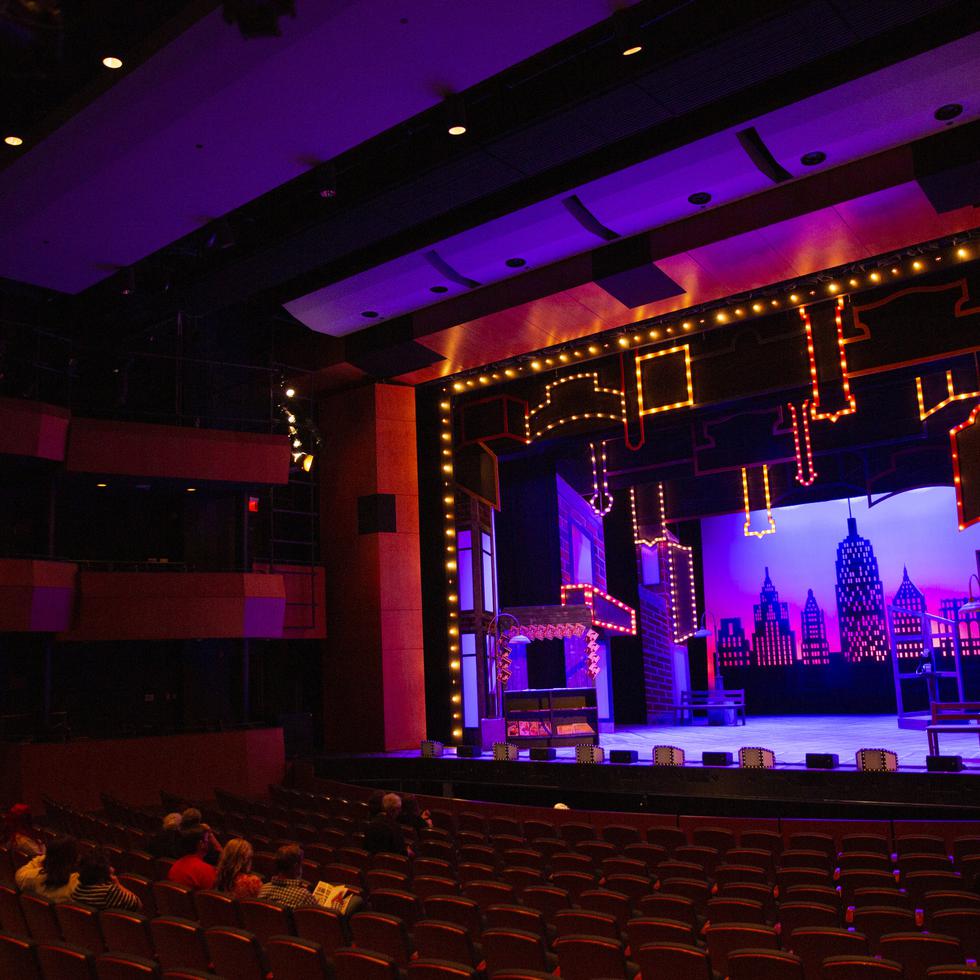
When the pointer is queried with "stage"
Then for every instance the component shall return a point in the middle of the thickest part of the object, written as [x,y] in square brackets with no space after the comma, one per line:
[789,790]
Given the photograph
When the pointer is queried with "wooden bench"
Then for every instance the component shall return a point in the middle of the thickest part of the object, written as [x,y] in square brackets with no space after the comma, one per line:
[952,716]
[692,701]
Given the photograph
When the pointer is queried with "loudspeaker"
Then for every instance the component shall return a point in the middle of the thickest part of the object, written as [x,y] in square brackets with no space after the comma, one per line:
[432,750]
[822,760]
[716,759]
[505,752]
[623,755]
[542,754]
[589,753]
[469,751]
[944,763]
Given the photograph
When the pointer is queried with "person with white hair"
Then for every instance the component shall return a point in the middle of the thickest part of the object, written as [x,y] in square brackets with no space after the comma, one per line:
[384,833]
[166,841]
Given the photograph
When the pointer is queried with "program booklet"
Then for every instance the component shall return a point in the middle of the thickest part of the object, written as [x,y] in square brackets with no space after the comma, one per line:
[335,897]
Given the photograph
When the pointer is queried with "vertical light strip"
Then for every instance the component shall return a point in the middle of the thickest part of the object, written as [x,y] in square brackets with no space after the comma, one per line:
[452,570]
[748,510]
[601,500]
[816,414]
[801,439]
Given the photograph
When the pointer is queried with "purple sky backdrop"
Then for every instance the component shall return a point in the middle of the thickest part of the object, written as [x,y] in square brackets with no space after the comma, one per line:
[917,528]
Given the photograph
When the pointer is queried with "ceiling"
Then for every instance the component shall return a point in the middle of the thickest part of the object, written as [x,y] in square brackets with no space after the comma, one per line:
[578,162]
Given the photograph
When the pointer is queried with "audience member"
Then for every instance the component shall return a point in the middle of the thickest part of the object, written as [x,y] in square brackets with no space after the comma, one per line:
[99,887]
[190,868]
[51,875]
[287,886]
[165,843]
[289,889]
[234,870]
[412,816]
[384,832]
[18,833]
[190,819]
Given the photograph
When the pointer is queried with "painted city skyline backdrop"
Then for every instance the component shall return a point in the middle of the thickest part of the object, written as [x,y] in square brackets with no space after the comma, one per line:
[916,529]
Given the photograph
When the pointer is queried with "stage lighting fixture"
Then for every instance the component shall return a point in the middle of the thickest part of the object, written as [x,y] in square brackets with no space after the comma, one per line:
[431,749]
[822,760]
[626,756]
[455,110]
[628,39]
[971,605]
[308,462]
[468,751]
[13,140]
[297,443]
[290,392]
[542,754]
[944,763]
[716,759]
[110,61]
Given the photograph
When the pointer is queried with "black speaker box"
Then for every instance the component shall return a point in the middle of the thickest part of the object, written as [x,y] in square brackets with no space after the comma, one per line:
[542,754]
[944,763]
[468,751]
[623,755]
[716,759]
[822,760]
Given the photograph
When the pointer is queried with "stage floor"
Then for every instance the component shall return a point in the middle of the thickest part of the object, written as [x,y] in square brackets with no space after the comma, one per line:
[792,736]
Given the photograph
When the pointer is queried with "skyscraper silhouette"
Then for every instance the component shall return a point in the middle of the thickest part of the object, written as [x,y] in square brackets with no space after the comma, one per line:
[814,648]
[969,628]
[907,627]
[733,647]
[773,640]
[860,599]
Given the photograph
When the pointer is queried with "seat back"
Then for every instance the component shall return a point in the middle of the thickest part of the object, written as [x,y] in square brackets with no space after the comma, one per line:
[585,922]
[179,943]
[174,899]
[724,937]
[235,953]
[298,959]
[753,964]
[585,957]
[393,901]
[678,961]
[518,917]
[64,961]
[917,951]
[215,908]
[382,933]
[430,969]
[142,887]
[265,919]
[359,964]
[436,940]
[40,918]
[794,915]
[79,926]
[123,966]
[504,948]
[18,958]
[643,930]
[814,944]
[861,968]
[608,902]
[324,926]
[488,892]
[12,919]
[666,906]
[126,932]
[725,909]
[877,920]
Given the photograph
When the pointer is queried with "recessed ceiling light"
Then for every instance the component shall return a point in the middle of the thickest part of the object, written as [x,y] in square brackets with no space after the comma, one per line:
[813,158]
[12,140]
[516,263]
[699,198]
[192,489]
[438,289]
[102,485]
[110,61]
[370,314]
[635,49]
[456,130]
[947,112]
[455,110]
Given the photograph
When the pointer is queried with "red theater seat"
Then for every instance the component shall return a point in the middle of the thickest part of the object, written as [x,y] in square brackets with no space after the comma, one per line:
[876,921]
[735,910]
[724,937]
[814,944]
[643,930]
[585,922]
[432,969]
[507,948]
[39,914]
[265,919]
[394,902]
[179,943]
[216,909]
[127,932]
[455,908]
[121,966]
[860,968]
[62,961]
[764,964]
[588,957]
[436,940]
[235,953]
[18,958]
[917,951]
[674,960]
[79,926]
[174,899]
[323,926]
[518,917]
[382,934]
[356,964]
[298,959]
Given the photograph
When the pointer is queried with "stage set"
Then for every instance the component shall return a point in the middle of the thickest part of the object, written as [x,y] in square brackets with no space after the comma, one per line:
[762,531]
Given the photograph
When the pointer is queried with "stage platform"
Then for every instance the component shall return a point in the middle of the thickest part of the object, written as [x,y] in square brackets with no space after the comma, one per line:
[789,790]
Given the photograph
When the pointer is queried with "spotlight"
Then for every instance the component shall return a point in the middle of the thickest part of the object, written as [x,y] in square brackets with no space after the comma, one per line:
[290,392]
[102,486]
[297,443]
[455,110]
[628,39]
[112,62]
[12,140]
[192,489]
[308,462]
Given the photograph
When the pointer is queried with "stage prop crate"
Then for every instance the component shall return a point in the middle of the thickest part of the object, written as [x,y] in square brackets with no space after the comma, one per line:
[552,717]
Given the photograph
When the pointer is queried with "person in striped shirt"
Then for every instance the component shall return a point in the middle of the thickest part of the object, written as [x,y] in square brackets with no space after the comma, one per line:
[99,887]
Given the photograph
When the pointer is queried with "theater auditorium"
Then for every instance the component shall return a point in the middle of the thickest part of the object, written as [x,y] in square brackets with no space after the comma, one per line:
[489,490]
